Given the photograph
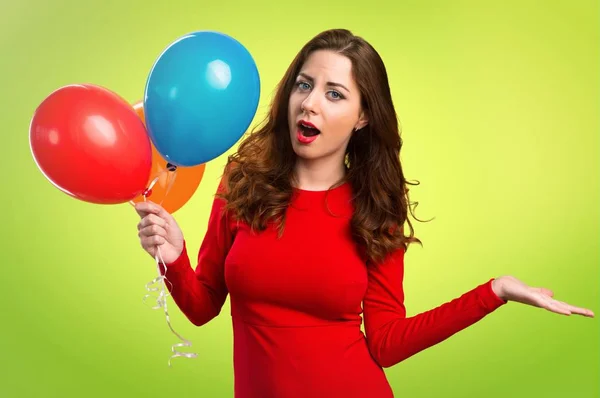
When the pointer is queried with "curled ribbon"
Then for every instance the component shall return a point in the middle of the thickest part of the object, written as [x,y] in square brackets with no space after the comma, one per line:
[161,300]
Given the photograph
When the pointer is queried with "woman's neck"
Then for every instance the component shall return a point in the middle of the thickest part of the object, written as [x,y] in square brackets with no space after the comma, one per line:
[318,174]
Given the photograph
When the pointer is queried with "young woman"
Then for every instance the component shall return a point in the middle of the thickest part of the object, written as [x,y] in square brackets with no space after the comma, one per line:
[308,231]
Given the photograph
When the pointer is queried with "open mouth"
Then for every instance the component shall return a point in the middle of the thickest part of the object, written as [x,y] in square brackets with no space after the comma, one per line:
[308,129]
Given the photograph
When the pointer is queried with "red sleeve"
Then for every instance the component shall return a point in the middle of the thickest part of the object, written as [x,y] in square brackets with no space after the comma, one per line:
[392,337]
[201,293]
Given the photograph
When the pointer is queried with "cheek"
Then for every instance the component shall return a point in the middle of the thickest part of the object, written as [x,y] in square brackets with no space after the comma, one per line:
[341,122]
[294,103]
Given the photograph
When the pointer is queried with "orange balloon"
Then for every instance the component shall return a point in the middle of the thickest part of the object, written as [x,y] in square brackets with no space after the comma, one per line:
[173,188]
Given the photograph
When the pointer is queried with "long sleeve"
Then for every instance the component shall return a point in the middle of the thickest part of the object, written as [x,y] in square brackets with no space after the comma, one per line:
[201,293]
[392,337]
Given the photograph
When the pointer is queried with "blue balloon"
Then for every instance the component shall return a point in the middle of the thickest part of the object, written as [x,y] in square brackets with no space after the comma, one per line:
[200,97]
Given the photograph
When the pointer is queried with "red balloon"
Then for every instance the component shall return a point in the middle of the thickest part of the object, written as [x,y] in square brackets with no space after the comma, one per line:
[90,143]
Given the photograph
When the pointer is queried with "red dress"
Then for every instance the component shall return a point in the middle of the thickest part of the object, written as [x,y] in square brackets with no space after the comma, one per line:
[296,303]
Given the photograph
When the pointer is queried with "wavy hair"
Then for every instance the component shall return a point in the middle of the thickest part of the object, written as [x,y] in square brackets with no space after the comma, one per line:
[257,183]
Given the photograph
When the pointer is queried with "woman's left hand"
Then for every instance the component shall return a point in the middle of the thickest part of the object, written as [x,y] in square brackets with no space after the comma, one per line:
[510,288]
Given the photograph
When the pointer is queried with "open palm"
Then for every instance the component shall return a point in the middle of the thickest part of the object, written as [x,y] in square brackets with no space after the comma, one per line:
[511,289]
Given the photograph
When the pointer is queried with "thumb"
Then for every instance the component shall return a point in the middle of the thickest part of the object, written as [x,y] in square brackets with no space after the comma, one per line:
[149,207]
[544,291]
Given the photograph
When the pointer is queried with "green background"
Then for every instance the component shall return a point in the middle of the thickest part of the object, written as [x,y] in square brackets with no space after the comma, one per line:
[499,109]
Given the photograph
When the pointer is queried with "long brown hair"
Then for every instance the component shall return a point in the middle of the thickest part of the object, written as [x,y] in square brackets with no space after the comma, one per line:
[258,178]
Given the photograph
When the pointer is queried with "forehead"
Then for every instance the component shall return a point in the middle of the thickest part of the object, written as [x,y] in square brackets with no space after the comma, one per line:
[328,66]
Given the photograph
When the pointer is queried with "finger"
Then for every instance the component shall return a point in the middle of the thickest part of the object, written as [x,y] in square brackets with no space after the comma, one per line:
[151,219]
[152,230]
[578,310]
[149,242]
[554,306]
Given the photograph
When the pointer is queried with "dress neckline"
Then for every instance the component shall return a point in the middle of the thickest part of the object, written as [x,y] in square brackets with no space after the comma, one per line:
[342,186]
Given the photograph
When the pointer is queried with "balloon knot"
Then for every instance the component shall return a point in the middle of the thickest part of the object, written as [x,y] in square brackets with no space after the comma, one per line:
[171,167]
[147,192]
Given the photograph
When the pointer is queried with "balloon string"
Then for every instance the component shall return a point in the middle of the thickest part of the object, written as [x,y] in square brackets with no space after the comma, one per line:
[161,300]
[170,181]
[172,173]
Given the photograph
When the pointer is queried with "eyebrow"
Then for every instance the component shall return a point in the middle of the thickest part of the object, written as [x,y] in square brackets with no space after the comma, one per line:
[333,84]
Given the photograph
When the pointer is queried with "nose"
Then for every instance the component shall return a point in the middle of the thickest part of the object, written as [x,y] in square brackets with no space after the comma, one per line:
[310,103]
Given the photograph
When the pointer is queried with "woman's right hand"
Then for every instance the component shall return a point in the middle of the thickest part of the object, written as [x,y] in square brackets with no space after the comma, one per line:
[158,228]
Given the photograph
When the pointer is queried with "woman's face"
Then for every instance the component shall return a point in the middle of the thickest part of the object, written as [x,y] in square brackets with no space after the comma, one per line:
[324,107]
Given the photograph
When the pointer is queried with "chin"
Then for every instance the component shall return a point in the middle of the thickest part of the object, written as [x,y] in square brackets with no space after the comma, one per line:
[306,152]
